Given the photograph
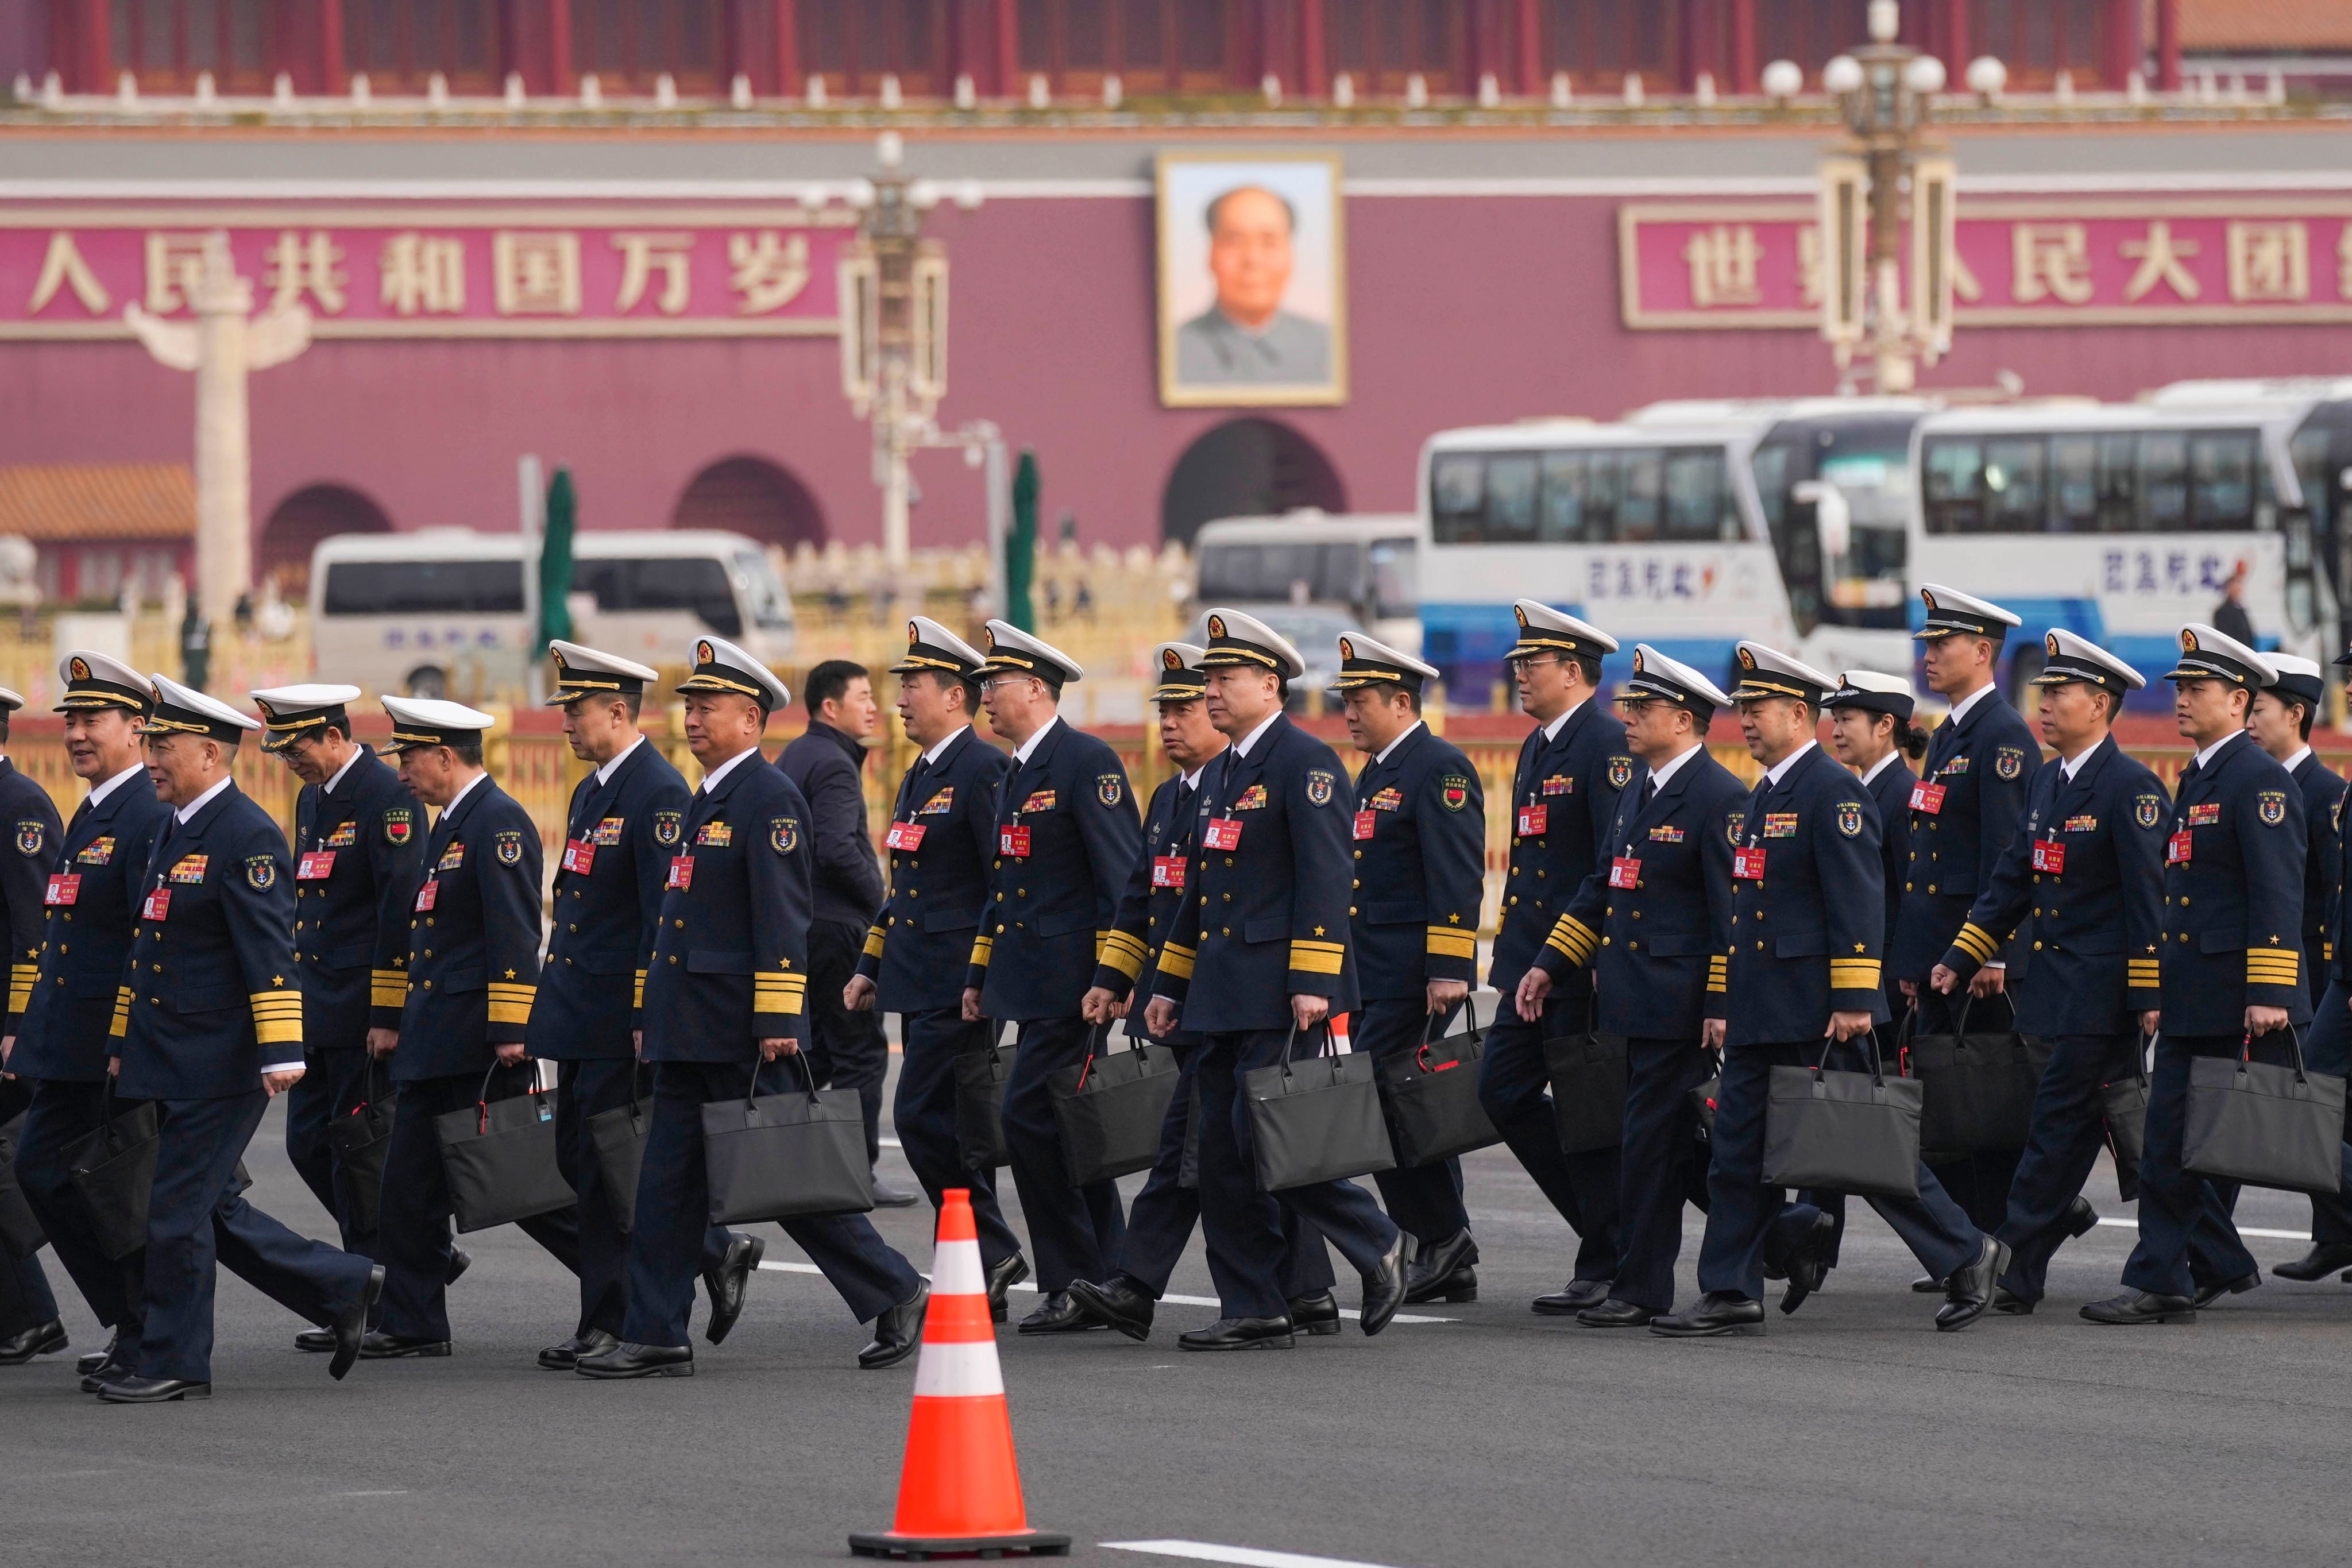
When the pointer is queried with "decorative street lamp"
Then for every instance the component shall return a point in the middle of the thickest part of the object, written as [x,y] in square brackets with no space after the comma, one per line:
[1889,176]
[894,345]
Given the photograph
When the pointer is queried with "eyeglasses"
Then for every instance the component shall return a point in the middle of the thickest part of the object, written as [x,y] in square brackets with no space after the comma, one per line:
[1531,660]
[993,681]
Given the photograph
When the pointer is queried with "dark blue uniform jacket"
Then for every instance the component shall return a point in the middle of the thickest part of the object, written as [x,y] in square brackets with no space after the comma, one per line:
[63,1031]
[2323,794]
[1153,897]
[919,950]
[1574,780]
[473,960]
[1420,843]
[2233,932]
[34,832]
[1983,761]
[358,854]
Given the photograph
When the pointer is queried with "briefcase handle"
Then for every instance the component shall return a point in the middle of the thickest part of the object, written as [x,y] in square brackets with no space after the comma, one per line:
[1096,1037]
[1904,1032]
[368,1065]
[1436,1022]
[2295,1043]
[1292,1039]
[1877,1066]
[114,1145]
[482,1097]
[752,1100]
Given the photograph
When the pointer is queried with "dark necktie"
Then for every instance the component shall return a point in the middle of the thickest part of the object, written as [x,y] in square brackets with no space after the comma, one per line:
[1649,790]
[82,815]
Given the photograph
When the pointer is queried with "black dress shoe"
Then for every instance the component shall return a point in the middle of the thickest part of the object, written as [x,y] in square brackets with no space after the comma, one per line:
[625,1359]
[319,1342]
[729,1285]
[1317,1314]
[1442,1271]
[566,1356]
[1384,1290]
[1615,1314]
[41,1338]
[2208,1294]
[110,1372]
[1579,1295]
[90,1362]
[1927,1285]
[1118,1302]
[152,1390]
[377,1345]
[1238,1334]
[2141,1307]
[1807,1263]
[1969,1290]
[349,1326]
[1717,1312]
[2080,1218]
[2323,1258]
[2005,1299]
[1058,1314]
[1009,1272]
[897,1332]
[886,1196]
[459,1261]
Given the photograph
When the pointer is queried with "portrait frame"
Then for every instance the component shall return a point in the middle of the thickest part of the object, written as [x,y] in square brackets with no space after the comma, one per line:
[1185,184]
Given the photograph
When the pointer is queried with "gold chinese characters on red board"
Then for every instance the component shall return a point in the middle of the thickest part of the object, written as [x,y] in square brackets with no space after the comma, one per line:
[2081,262]
[408,270]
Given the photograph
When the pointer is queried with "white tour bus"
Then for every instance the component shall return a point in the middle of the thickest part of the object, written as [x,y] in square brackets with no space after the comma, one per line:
[1357,565]
[1688,526]
[440,611]
[2121,522]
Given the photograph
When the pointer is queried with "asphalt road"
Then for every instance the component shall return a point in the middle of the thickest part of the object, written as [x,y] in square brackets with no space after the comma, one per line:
[1850,1434]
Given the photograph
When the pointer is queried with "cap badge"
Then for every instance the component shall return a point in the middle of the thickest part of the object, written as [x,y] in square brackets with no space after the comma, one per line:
[1347,648]
[2051,642]
[1746,660]
[1521,613]
[1216,625]
[557,655]
[704,653]
[2187,641]
[1930,598]
[1637,661]
[1169,660]
[913,636]
[82,668]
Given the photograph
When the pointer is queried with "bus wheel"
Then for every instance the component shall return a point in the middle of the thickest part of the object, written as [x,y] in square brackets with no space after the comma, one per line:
[428,680]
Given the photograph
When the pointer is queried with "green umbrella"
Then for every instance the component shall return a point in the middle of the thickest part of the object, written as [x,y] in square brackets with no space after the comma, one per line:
[555,562]
[1021,545]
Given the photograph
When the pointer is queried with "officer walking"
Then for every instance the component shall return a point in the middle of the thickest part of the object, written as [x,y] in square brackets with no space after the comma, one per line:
[1963,811]
[358,857]
[943,840]
[1065,837]
[1259,954]
[1658,919]
[1160,1221]
[59,1048]
[1563,793]
[30,1325]
[1803,976]
[2329,1050]
[2080,887]
[473,971]
[1419,835]
[827,761]
[624,821]
[725,992]
[208,1025]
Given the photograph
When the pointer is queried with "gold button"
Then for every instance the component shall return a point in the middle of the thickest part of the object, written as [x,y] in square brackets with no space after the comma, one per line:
[1204,898]
[429,985]
[1229,859]
[2037,947]
[1514,899]
[1360,853]
[1604,942]
[1906,887]
[1514,870]
[2184,900]
[1637,914]
[1356,883]
[1227,897]
[1931,887]
[1000,898]
[673,958]
[1759,947]
[1632,945]
[1351,909]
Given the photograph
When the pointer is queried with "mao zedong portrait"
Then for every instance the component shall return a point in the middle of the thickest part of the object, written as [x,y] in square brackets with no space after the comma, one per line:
[1246,337]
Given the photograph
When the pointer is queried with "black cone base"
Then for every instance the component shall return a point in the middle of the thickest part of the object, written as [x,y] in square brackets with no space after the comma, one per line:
[922,1548]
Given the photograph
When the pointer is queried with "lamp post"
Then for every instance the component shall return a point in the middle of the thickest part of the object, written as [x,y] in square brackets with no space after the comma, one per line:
[894,347]
[1889,176]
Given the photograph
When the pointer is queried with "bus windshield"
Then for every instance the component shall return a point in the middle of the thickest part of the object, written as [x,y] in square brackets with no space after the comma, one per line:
[424,587]
[1869,461]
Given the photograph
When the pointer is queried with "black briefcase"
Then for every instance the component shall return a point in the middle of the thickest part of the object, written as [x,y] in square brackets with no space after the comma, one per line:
[1979,1086]
[113,1168]
[1316,1119]
[20,1230]
[1843,1131]
[799,1152]
[361,1137]
[1432,1097]
[618,1136]
[2123,1113]
[1587,1089]
[1110,1108]
[2265,1126]
[1703,1101]
[979,1080]
[498,1157]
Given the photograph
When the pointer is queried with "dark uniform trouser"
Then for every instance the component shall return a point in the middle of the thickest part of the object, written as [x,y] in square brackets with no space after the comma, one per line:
[1514,1084]
[1661,1125]
[2069,1130]
[413,1235]
[925,1117]
[1073,1231]
[2184,1219]
[2329,1048]
[63,1113]
[1160,1219]
[1426,1200]
[1244,1225]
[330,1086]
[1977,1182]
[583,1089]
[846,1050]
[25,1299]
[196,1226]
[1742,1212]
[674,1213]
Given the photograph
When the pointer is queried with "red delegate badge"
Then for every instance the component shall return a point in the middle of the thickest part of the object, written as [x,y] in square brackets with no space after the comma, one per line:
[158,905]
[2049,856]
[1928,797]
[1625,872]
[2176,849]
[65,888]
[1748,864]
[1013,841]
[1531,820]
[1224,833]
[1168,871]
[427,896]
[579,855]
[905,835]
[315,866]
[681,874]
[1363,825]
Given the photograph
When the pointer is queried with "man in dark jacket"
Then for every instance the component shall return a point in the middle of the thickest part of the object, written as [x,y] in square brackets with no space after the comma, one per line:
[846,1050]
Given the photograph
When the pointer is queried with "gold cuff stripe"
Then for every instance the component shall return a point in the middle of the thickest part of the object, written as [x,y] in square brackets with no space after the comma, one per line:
[980,949]
[1127,963]
[510,1012]
[1854,974]
[1976,941]
[1321,946]
[391,995]
[283,1032]
[1176,962]
[788,1005]
[1445,941]
[1312,958]
[873,943]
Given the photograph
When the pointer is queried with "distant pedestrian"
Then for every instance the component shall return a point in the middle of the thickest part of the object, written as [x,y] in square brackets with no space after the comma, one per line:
[2229,617]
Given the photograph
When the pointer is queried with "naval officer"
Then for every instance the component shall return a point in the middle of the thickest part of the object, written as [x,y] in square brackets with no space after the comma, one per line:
[30,1325]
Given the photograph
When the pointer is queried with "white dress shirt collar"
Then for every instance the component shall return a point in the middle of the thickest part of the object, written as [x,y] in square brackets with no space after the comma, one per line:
[1551,730]
[1242,747]
[932,756]
[348,763]
[2294,761]
[202,801]
[2205,758]
[1026,749]
[605,773]
[1667,770]
[2073,764]
[1779,770]
[1881,765]
[105,788]
[711,780]
[1382,754]
[1962,709]
[463,792]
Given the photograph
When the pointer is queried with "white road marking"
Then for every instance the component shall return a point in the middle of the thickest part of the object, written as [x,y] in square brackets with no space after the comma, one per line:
[1174,1300]
[393,1491]
[1251,1556]
[2242,1230]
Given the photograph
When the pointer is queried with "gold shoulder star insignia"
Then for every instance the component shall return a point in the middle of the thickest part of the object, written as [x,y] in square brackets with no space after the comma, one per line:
[509,974]
[1862,947]
[277,980]
[1319,931]
[1454,920]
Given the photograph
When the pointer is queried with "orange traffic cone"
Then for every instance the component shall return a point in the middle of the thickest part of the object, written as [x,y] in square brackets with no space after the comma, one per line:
[960,1491]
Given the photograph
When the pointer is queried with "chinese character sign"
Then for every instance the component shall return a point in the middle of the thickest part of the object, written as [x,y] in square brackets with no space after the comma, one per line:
[2085,262]
[398,270]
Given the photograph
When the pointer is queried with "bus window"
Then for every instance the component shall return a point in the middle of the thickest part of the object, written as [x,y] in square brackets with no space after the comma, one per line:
[424,587]
[1955,486]
[2119,493]
[2163,482]
[1564,517]
[769,609]
[2013,484]
[1698,497]
[1396,579]
[2073,484]
[1457,494]
[1644,485]
[2222,482]
[1510,496]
